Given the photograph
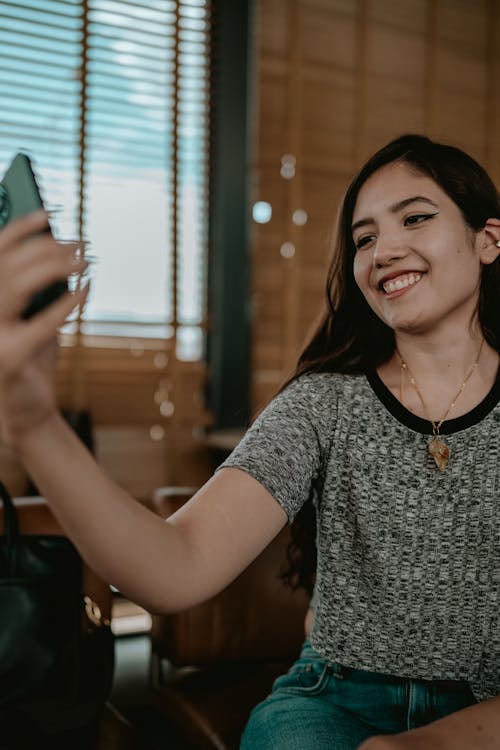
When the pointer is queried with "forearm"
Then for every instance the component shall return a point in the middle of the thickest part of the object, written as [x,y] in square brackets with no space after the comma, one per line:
[165,566]
[474,728]
[128,545]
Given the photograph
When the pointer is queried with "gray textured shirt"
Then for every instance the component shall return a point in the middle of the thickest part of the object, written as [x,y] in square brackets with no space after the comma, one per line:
[408,575]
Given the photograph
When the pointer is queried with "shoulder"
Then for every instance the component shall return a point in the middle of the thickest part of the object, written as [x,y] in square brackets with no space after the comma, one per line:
[324,388]
[313,400]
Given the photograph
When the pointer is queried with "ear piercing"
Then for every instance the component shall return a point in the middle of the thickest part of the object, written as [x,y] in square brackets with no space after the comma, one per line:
[497,243]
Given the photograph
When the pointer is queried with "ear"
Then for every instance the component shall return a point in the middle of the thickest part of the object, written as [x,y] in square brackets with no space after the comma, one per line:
[489,248]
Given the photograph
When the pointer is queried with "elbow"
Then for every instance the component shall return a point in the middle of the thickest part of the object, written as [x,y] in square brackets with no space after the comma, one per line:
[168,602]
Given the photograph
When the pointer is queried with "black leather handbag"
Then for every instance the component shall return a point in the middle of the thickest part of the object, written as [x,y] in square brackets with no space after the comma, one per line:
[56,651]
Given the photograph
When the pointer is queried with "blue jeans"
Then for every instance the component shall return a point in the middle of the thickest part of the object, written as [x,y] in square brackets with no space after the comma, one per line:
[321,705]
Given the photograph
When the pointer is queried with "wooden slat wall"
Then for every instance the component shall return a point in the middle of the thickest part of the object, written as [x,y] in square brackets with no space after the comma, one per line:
[334,81]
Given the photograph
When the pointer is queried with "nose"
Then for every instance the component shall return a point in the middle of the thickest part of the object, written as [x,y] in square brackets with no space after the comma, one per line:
[388,248]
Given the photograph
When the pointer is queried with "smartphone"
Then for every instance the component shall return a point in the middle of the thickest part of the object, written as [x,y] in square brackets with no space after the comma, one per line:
[19,195]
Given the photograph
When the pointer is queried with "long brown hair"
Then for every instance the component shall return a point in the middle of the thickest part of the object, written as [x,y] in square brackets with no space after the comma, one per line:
[350,338]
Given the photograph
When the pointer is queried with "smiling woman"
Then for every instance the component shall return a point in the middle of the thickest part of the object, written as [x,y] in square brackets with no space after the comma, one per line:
[388,429]
[414,274]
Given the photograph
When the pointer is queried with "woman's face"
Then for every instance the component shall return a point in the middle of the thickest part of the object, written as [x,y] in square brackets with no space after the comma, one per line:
[417,263]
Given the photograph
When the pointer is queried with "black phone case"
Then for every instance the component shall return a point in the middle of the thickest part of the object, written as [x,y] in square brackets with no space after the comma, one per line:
[19,195]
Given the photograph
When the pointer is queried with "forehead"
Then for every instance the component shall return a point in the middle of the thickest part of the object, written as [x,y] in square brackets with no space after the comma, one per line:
[391,184]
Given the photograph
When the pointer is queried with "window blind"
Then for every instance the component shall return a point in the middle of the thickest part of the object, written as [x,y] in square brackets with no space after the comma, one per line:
[40,56]
[111,99]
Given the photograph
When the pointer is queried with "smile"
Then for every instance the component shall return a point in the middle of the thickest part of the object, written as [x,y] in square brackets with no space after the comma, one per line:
[402,282]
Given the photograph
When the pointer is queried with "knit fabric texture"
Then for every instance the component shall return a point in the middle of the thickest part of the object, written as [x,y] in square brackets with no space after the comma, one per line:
[408,570]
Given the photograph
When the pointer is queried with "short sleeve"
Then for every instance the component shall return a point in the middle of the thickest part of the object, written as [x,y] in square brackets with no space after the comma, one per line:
[283,449]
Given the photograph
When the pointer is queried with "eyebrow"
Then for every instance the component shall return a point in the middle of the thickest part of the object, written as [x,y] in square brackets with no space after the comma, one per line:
[395,208]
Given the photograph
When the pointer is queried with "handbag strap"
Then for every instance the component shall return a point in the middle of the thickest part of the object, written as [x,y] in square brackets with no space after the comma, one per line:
[11,526]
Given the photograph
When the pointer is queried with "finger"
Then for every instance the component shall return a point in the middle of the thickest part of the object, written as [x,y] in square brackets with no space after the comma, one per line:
[55,315]
[47,358]
[33,255]
[19,229]
[17,290]
[18,255]
[23,340]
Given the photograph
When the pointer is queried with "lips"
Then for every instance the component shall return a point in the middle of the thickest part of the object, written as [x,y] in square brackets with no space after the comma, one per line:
[400,281]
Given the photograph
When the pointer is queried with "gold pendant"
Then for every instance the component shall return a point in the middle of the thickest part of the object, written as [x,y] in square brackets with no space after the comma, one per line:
[440,452]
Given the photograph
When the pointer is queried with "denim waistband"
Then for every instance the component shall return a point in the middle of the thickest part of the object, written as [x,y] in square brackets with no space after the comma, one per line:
[342,671]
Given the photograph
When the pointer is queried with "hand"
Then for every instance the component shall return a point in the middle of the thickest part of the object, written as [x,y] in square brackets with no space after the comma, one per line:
[29,261]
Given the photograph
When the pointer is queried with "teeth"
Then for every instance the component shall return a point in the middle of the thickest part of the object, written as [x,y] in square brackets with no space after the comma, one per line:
[396,284]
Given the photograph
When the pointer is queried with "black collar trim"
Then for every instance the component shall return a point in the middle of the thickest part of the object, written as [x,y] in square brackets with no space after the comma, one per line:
[417,424]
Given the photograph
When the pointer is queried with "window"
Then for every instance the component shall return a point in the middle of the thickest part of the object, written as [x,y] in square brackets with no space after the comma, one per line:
[111,98]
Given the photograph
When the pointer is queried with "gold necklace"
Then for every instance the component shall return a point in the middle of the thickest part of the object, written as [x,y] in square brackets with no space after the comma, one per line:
[437,447]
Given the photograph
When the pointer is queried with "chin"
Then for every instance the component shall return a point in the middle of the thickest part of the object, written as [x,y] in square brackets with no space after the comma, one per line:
[412,328]
[411,324]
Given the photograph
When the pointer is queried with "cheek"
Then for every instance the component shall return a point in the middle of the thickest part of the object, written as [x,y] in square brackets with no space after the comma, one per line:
[360,270]
[356,268]
[466,262]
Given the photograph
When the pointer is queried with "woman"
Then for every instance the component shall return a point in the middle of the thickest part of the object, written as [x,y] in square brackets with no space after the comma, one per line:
[389,427]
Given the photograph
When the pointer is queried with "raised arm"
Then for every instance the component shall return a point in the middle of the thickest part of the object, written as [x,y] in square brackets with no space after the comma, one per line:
[165,566]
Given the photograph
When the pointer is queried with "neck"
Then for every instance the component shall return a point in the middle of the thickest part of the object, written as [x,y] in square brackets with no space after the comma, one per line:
[439,365]
[438,357]
[444,360]
[451,346]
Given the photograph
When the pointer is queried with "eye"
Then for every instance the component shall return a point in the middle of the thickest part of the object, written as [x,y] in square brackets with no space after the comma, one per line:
[418,219]
[363,241]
